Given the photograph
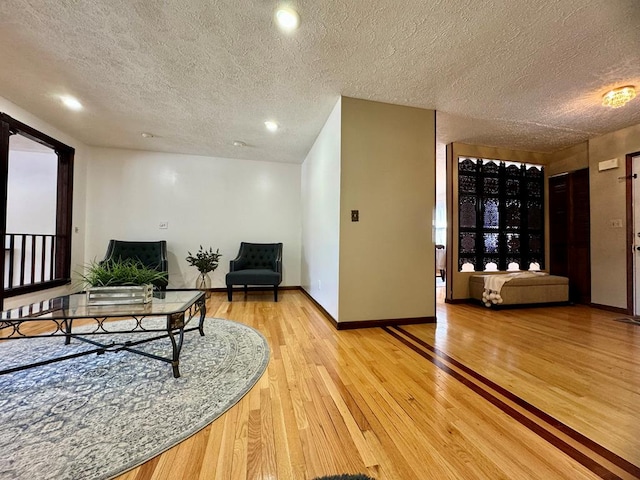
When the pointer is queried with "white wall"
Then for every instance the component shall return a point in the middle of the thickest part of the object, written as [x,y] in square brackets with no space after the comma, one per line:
[216,202]
[609,202]
[31,209]
[79,190]
[321,215]
[31,195]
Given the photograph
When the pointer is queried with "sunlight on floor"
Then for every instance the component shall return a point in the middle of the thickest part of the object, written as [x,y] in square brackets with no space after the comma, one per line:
[440,290]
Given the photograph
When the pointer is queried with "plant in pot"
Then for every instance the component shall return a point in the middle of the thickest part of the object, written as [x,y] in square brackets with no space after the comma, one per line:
[205,261]
[119,273]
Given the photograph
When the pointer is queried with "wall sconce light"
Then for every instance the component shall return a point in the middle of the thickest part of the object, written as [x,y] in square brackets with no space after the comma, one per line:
[619,96]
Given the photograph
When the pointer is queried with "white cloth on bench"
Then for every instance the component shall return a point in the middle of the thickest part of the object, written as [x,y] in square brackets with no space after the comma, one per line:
[493,285]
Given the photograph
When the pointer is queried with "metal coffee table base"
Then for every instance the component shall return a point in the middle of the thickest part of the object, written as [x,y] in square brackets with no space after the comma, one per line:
[176,345]
[176,326]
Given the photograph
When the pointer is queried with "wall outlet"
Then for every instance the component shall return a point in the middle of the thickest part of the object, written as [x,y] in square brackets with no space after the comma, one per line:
[164,225]
[615,223]
[355,215]
[319,284]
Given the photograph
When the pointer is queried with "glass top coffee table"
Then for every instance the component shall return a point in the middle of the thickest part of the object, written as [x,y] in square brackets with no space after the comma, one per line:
[56,317]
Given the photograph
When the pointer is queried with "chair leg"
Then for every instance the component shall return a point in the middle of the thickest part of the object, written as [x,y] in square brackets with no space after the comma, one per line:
[275,293]
[230,292]
[245,290]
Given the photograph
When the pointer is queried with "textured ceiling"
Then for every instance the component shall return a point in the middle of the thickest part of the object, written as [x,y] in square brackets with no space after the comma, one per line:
[199,74]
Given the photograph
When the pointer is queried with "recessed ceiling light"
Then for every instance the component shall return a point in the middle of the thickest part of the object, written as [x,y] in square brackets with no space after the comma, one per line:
[147,135]
[238,143]
[271,126]
[287,19]
[70,102]
[619,96]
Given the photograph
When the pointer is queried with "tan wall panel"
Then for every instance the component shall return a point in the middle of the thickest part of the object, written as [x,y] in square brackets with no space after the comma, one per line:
[388,174]
[497,153]
[569,159]
[608,202]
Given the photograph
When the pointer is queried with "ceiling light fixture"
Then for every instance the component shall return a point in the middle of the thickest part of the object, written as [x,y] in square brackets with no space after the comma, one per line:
[238,143]
[287,19]
[271,126]
[147,135]
[71,103]
[619,96]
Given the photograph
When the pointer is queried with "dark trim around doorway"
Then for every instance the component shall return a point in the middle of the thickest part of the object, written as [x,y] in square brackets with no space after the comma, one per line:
[630,250]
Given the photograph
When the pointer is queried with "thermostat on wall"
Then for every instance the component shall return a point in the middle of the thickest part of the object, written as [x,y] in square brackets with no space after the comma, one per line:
[608,164]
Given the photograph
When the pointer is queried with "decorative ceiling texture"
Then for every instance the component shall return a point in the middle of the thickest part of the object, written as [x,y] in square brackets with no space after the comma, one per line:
[199,74]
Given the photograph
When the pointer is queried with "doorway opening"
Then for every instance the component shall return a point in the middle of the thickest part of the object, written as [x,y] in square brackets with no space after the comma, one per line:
[35,217]
[440,223]
[633,233]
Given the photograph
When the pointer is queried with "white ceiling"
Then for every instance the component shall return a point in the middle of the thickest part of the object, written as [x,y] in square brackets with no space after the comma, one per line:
[199,74]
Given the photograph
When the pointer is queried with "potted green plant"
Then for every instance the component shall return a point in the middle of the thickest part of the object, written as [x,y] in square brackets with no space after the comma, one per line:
[205,261]
[119,281]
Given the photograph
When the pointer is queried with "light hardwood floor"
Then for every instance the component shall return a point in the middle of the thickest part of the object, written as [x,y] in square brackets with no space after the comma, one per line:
[545,393]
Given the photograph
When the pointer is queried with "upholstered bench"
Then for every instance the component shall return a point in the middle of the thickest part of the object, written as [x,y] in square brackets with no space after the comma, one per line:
[525,291]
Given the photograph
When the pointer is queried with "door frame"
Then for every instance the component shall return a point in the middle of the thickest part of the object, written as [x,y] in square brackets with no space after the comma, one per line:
[64,204]
[630,239]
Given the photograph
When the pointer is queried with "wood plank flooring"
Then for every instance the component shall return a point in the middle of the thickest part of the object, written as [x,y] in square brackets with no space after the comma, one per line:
[511,394]
[545,393]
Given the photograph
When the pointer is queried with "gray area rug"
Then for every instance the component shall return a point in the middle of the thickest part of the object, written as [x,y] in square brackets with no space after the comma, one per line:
[97,416]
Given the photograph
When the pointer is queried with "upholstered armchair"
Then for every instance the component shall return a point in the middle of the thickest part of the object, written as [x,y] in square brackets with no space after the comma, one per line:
[150,254]
[256,264]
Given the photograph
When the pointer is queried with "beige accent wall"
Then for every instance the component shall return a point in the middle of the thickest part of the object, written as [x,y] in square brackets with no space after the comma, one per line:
[569,159]
[458,282]
[388,174]
[608,202]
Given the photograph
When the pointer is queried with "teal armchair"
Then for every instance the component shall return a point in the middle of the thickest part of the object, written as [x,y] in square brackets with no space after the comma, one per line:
[150,254]
[256,264]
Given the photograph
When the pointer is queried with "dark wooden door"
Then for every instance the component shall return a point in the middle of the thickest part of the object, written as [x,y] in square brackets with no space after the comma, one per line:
[569,232]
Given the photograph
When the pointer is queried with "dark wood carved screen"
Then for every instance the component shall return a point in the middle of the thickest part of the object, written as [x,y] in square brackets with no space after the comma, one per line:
[501,214]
